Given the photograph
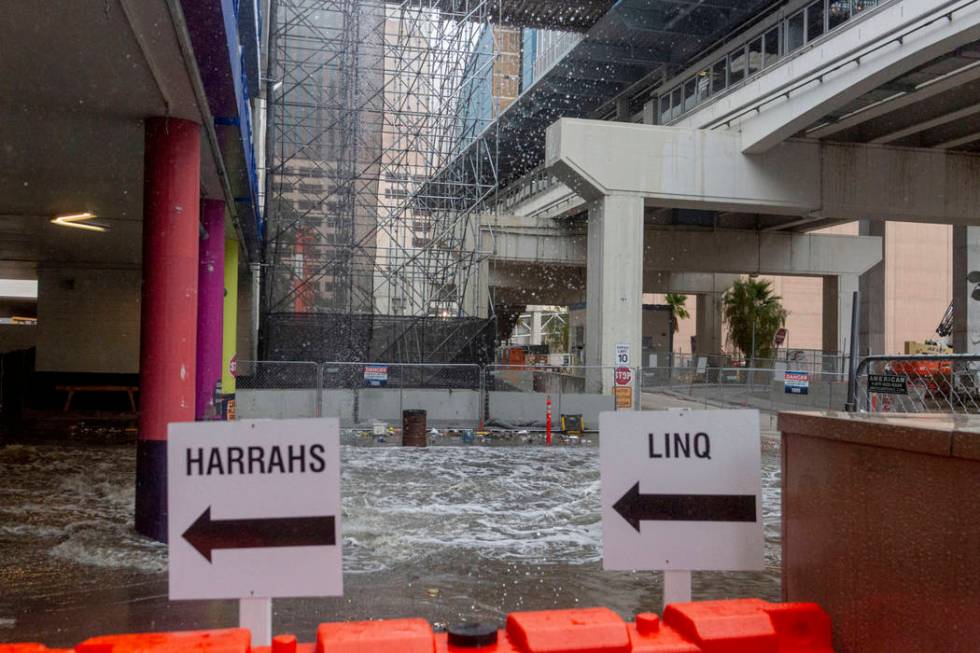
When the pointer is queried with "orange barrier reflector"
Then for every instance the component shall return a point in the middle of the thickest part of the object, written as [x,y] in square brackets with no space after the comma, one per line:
[751,626]
[285,644]
[402,635]
[30,647]
[231,640]
[588,630]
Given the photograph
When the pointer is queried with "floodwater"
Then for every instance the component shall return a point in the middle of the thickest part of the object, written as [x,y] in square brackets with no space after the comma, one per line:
[448,533]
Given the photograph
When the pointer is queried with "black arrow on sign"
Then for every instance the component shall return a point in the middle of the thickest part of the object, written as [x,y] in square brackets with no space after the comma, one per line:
[206,534]
[636,507]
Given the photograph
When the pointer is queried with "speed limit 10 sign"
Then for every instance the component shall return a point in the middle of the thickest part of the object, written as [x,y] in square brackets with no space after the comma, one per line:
[624,376]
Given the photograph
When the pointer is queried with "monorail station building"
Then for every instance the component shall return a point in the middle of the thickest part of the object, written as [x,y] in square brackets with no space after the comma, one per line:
[753,149]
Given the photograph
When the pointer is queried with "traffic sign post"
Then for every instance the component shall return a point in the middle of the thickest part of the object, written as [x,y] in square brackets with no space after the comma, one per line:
[623,388]
[681,491]
[254,513]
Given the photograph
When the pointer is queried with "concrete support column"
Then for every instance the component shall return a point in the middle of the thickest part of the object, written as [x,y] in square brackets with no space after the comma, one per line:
[614,284]
[168,316]
[838,299]
[536,335]
[229,349]
[872,284]
[966,309]
[210,308]
[709,337]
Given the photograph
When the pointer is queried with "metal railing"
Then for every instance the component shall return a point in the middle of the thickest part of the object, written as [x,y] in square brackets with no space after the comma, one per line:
[939,383]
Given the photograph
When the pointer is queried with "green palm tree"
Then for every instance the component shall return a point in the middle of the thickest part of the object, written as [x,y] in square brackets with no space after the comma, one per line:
[678,306]
[753,314]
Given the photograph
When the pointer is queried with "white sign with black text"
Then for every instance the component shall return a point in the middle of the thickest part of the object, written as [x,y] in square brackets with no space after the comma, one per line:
[681,490]
[623,354]
[254,509]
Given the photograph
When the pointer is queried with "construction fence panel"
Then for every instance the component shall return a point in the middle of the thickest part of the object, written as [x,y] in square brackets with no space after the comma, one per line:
[277,389]
[939,384]
[768,390]
[808,360]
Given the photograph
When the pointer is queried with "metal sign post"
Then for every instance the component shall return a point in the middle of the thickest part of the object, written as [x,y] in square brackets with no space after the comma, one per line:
[256,616]
[681,491]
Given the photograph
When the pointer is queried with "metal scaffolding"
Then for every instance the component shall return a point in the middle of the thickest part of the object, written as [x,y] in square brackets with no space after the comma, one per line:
[372,207]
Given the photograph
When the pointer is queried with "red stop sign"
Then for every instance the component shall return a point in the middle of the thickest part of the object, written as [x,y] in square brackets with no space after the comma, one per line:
[624,376]
[780,336]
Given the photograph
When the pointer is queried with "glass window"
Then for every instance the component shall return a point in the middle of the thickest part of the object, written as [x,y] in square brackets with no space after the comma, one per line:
[840,11]
[676,102]
[704,85]
[664,108]
[755,56]
[719,76]
[690,94]
[771,47]
[857,6]
[814,20]
[736,67]
[794,33]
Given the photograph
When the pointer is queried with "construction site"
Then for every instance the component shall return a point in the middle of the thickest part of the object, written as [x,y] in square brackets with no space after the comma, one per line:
[382,164]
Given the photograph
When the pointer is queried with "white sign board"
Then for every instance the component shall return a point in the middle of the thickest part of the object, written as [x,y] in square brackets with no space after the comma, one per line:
[681,490]
[376,375]
[623,354]
[254,509]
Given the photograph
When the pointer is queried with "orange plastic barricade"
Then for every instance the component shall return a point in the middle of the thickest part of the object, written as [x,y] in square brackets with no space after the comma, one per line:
[402,635]
[30,647]
[231,640]
[739,626]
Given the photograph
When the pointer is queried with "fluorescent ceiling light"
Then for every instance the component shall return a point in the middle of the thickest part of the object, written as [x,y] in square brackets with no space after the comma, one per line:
[18,289]
[78,221]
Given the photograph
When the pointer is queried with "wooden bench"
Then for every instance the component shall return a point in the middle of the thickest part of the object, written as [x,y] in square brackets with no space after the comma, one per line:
[72,389]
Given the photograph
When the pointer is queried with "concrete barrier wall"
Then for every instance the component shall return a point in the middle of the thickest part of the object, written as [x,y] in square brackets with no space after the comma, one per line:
[457,408]
[450,407]
[528,408]
[460,408]
[253,404]
[879,526]
[338,403]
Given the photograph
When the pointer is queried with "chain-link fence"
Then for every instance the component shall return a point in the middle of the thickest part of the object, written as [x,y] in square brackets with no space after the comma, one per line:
[373,396]
[768,390]
[809,360]
[277,389]
[943,383]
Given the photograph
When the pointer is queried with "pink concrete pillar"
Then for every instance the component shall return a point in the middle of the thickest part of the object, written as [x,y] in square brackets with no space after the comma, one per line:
[210,302]
[168,327]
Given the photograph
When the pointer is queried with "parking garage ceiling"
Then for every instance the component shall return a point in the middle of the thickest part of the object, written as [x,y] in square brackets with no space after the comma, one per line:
[71,124]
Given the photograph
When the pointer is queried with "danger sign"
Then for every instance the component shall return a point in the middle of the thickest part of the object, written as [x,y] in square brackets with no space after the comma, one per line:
[624,376]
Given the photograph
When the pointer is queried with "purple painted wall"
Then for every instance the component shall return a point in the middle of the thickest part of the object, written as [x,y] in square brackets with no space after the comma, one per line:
[210,303]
